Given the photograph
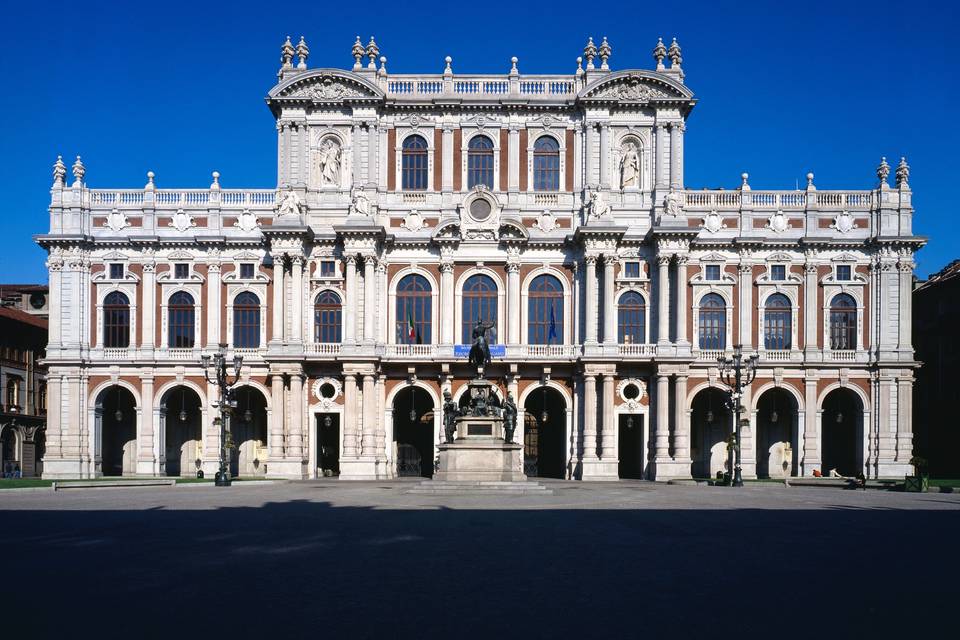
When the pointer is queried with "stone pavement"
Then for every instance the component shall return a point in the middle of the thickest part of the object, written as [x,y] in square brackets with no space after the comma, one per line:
[329,558]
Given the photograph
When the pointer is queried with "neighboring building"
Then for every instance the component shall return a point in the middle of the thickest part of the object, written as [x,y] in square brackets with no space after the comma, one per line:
[936,316]
[409,206]
[29,298]
[23,338]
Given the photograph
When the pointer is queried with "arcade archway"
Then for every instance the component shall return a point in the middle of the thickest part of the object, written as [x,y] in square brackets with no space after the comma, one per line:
[115,414]
[413,433]
[545,434]
[180,413]
[777,434]
[710,428]
[842,433]
[248,432]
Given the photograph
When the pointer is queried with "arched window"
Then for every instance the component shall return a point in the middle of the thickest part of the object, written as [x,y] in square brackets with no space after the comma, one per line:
[116,321]
[180,318]
[843,322]
[246,321]
[545,311]
[414,164]
[414,306]
[631,318]
[776,322]
[546,164]
[479,303]
[327,317]
[480,162]
[713,322]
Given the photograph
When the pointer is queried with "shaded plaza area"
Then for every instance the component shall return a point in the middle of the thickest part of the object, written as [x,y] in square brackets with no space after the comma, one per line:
[363,559]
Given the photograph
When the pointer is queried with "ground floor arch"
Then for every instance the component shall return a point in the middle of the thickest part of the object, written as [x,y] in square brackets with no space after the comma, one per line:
[115,427]
[181,421]
[777,434]
[710,428]
[248,433]
[545,433]
[413,433]
[841,432]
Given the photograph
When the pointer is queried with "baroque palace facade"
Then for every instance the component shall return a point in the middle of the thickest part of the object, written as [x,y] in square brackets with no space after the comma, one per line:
[407,208]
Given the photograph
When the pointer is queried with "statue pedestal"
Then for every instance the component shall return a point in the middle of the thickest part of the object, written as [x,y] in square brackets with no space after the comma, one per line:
[479,453]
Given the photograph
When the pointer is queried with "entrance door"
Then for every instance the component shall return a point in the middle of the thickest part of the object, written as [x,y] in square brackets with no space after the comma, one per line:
[630,442]
[328,443]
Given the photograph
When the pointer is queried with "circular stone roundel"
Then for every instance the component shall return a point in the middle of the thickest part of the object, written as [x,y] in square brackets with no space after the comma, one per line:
[480,209]
[631,390]
[326,390]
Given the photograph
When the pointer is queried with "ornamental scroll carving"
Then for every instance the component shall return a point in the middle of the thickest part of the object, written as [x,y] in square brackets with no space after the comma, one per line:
[327,89]
[633,89]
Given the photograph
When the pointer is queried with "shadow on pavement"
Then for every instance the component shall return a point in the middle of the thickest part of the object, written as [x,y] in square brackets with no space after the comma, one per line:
[299,569]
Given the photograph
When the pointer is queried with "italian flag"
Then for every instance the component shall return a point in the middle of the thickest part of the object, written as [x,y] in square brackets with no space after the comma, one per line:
[411,328]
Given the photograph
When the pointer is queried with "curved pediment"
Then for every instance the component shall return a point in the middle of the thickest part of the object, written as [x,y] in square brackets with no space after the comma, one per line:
[635,86]
[326,85]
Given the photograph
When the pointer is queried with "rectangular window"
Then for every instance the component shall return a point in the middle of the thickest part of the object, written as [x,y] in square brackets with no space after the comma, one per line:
[631,270]
[712,272]
[181,271]
[843,272]
[246,270]
[327,269]
[778,272]
[116,271]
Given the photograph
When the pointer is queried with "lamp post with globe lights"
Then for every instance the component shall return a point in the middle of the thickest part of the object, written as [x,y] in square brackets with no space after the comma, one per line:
[226,403]
[737,372]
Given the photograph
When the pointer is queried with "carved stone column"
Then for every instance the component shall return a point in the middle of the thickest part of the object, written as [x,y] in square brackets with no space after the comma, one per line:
[369,299]
[810,323]
[591,301]
[905,305]
[609,304]
[373,165]
[660,168]
[663,299]
[145,458]
[349,416]
[662,438]
[513,304]
[745,303]
[681,419]
[148,331]
[604,156]
[276,416]
[350,315]
[675,155]
[446,303]
[811,428]
[446,180]
[513,160]
[295,450]
[296,298]
[681,324]
[214,306]
[608,440]
[369,437]
[278,295]
[589,416]
[55,266]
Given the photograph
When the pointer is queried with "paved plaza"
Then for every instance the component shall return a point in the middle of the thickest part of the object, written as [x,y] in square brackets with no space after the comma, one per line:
[335,559]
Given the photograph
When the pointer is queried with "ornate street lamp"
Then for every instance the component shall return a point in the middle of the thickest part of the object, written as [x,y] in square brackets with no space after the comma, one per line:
[737,372]
[226,404]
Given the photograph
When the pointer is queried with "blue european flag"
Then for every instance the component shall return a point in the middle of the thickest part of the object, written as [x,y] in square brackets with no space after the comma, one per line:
[553,326]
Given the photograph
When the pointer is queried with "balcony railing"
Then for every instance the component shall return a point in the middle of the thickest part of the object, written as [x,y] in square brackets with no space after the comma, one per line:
[841,355]
[117,354]
[776,355]
[547,351]
[637,349]
[773,200]
[323,348]
[710,355]
[410,350]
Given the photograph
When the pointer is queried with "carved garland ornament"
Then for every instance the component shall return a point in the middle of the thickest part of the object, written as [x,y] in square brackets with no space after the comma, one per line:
[327,88]
[632,88]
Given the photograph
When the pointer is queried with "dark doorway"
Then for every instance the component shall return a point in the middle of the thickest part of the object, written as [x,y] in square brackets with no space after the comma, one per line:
[545,434]
[180,407]
[777,422]
[248,433]
[413,433]
[630,445]
[117,415]
[328,444]
[710,426]
[841,429]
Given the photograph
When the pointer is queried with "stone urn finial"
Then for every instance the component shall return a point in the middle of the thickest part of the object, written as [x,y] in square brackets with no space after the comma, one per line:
[674,54]
[59,171]
[357,53]
[286,54]
[78,172]
[372,52]
[883,170]
[590,52]
[604,51]
[660,53]
[903,173]
[303,52]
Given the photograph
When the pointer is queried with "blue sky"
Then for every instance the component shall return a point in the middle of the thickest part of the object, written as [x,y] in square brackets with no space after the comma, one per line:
[177,88]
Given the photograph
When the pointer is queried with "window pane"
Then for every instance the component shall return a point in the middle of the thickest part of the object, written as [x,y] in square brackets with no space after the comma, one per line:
[631,316]
[545,311]
[778,272]
[327,318]
[246,321]
[414,164]
[713,272]
[480,162]
[414,307]
[631,270]
[546,164]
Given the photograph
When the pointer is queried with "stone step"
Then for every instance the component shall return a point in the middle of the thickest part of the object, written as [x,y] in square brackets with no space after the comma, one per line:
[479,488]
[112,484]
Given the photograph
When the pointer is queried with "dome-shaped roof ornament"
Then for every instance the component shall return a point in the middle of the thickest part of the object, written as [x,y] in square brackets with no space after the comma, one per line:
[674,54]
[357,53]
[303,52]
[903,173]
[883,170]
[286,54]
[78,172]
[659,53]
[590,52]
[59,172]
[372,52]
[605,50]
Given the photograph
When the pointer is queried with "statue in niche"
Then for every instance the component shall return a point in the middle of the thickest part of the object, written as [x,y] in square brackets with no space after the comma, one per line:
[630,167]
[673,203]
[328,163]
[509,418]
